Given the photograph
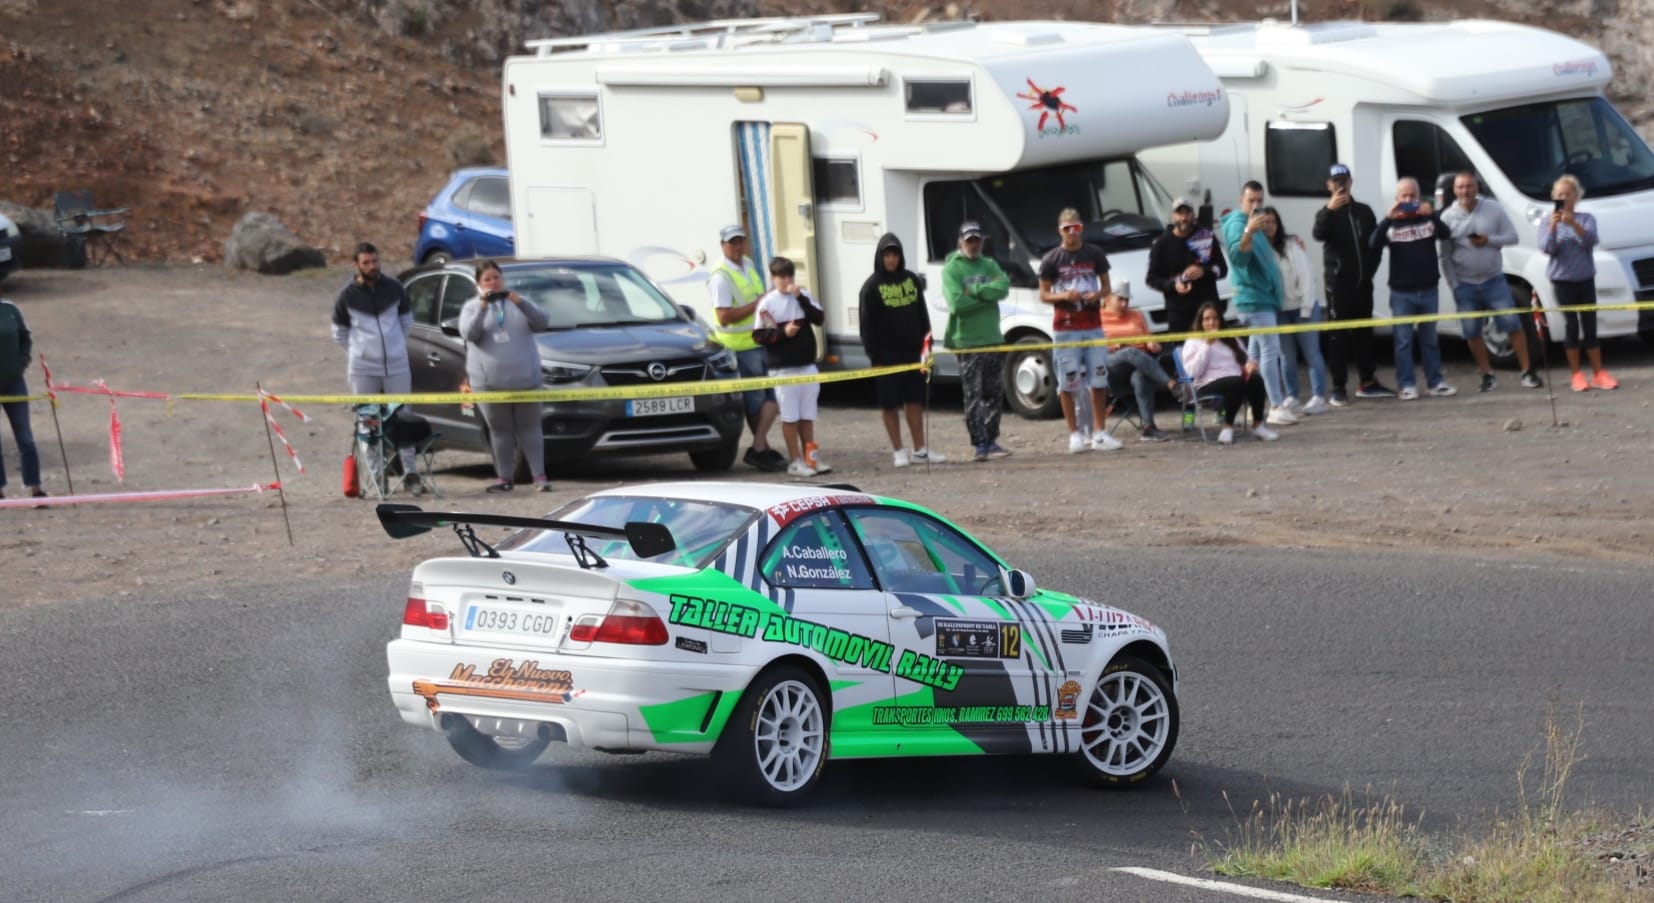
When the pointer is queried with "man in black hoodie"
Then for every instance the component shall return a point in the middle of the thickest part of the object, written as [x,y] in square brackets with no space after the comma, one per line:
[894,325]
[1345,228]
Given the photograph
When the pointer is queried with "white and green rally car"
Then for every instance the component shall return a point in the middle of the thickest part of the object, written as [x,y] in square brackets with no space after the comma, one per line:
[771,626]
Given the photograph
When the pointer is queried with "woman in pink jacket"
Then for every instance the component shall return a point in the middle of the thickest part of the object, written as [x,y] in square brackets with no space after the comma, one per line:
[1219,366]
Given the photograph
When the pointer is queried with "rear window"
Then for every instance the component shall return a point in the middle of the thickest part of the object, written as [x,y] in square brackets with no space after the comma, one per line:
[700,529]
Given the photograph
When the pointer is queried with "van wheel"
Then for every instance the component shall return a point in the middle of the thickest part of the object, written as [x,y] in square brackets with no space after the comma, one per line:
[1128,724]
[716,460]
[439,256]
[775,744]
[496,753]
[1031,380]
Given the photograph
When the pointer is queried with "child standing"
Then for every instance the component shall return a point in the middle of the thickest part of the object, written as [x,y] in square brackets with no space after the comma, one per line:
[785,317]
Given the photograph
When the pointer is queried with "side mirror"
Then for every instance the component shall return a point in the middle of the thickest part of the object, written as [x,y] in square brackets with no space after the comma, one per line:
[1018,584]
[450,327]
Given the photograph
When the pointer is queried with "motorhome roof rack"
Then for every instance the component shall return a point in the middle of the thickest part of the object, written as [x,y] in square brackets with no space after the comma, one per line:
[711,35]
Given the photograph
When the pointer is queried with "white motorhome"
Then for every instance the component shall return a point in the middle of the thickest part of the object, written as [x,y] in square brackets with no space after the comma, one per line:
[1519,105]
[822,133]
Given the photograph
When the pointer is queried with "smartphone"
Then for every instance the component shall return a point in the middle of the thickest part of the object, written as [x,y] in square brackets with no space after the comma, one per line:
[1558,202]
[497,296]
[1409,207]
[1474,235]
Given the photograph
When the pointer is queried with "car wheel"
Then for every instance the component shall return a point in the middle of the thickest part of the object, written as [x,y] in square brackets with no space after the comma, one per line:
[775,744]
[498,753]
[1031,380]
[1128,725]
[716,460]
[438,256]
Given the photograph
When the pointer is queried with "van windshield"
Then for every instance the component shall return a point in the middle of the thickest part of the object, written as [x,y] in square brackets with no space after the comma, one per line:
[1535,143]
[1123,207]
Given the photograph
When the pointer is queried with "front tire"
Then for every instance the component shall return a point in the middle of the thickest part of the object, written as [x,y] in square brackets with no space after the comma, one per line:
[1128,726]
[495,753]
[1031,380]
[774,747]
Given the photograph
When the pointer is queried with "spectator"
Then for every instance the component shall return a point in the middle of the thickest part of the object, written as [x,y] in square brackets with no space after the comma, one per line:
[785,315]
[894,327]
[1299,305]
[736,285]
[1073,279]
[1570,236]
[1133,369]
[1220,367]
[502,355]
[1474,268]
[1256,278]
[16,347]
[371,321]
[1412,229]
[973,284]
[1185,264]
[1345,229]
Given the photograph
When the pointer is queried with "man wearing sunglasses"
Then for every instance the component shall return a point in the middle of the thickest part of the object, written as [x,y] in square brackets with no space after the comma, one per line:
[1073,279]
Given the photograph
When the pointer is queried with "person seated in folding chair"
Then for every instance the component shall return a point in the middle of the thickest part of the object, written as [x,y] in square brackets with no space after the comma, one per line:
[405,429]
[1219,366]
[1134,369]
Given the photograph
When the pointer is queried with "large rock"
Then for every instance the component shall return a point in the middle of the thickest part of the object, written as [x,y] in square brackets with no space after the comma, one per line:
[43,244]
[261,243]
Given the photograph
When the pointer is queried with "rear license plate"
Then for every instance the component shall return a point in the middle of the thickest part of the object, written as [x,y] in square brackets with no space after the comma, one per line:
[505,620]
[644,407]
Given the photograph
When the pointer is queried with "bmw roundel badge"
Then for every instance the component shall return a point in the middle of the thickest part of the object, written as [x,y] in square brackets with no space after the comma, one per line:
[509,578]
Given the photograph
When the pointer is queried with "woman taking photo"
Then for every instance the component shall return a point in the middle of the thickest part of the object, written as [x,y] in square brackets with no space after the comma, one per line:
[1298,305]
[502,356]
[1569,237]
[1219,366]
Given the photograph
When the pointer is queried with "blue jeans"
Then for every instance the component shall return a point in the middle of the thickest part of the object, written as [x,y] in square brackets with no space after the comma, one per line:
[1309,345]
[1493,294]
[1133,371]
[1080,365]
[1407,304]
[18,413]
[750,363]
[1266,350]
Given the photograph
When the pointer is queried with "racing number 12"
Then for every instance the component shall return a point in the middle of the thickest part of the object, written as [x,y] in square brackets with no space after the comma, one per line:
[1010,641]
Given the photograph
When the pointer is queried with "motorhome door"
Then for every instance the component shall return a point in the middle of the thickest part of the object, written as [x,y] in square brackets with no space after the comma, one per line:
[778,200]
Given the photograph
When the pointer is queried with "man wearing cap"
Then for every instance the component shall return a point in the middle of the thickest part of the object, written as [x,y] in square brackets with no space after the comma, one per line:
[1073,279]
[1133,370]
[1185,265]
[1474,268]
[973,285]
[1345,229]
[736,286]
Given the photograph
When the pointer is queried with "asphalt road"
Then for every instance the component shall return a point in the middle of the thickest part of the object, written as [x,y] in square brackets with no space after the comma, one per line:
[240,745]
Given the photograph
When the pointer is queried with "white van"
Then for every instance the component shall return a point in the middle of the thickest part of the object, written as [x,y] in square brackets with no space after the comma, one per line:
[820,134]
[1518,105]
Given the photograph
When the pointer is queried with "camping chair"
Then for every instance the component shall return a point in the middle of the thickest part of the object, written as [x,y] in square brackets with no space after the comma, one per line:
[1201,402]
[1122,401]
[89,233]
[378,437]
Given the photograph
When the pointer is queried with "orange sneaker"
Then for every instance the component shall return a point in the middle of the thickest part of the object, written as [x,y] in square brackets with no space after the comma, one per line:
[1601,380]
[811,458]
[1580,382]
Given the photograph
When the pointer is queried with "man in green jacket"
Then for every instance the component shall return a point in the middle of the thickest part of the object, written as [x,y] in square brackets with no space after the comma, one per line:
[973,285]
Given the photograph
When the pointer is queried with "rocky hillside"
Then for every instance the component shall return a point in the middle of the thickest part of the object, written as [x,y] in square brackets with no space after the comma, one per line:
[343,117]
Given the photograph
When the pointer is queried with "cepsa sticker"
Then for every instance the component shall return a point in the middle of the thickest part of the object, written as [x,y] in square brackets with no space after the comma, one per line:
[504,679]
[786,512]
[978,639]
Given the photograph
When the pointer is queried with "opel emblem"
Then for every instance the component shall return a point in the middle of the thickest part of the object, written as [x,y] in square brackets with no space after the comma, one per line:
[657,371]
[509,578]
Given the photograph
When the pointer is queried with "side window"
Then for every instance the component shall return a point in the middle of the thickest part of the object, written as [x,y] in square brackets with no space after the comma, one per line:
[424,293]
[490,197]
[816,552]
[1297,156]
[937,96]
[913,553]
[571,117]
[459,290]
[837,182]
[1424,152]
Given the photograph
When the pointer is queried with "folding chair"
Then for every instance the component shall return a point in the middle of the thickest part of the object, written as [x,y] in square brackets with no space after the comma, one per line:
[1200,403]
[378,437]
[1122,402]
[90,233]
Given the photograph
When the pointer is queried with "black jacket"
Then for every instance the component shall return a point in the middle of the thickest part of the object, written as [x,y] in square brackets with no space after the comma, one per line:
[894,321]
[1170,256]
[800,350]
[1346,235]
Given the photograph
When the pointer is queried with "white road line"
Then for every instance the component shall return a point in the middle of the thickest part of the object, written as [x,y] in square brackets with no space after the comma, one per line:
[1239,890]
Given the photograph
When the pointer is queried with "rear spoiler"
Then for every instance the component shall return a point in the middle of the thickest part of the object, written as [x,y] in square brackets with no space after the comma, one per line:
[403,521]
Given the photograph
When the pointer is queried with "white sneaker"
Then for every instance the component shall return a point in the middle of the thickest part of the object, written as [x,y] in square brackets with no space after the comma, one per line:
[1293,404]
[926,456]
[1077,443]
[902,458]
[1443,391]
[1281,416]
[800,469]
[1262,431]
[1102,441]
[1408,393]
[1227,437]
[1317,405]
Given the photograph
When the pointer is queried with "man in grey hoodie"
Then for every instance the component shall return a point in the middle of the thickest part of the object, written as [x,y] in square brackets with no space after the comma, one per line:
[371,321]
[1474,268]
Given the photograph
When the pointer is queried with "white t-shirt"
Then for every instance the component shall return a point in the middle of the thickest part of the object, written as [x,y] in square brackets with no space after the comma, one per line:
[780,307]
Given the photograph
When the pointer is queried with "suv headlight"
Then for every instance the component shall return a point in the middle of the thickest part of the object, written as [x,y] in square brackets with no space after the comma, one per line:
[557,372]
[723,360]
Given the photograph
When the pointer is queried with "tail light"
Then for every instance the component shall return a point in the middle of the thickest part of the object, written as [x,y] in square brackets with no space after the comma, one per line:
[628,622]
[418,614]
[422,219]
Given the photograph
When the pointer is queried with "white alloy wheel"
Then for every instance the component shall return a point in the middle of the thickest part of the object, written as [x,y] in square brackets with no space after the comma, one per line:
[1129,724]
[775,743]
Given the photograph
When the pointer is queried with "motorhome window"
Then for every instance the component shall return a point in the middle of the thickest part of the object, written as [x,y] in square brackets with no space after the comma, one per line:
[1535,143]
[570,117]
[937,96]
[1297,156]
[1424,152]
[837,182]
[1124,209]
[490,197]
[947,204]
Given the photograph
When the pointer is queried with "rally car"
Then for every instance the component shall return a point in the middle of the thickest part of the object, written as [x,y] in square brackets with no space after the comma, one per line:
[772,627]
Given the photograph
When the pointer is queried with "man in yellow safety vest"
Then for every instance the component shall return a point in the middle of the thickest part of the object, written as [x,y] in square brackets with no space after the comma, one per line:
[736,286]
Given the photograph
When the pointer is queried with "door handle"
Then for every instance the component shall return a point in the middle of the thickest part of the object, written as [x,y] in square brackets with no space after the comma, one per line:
[904,613]
[434,357]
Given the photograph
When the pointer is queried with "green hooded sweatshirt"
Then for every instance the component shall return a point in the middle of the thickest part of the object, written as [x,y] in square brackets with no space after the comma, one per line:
[973,289]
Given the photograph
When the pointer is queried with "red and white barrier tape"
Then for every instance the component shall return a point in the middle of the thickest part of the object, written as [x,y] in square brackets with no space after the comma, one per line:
[57,501]
[290,409]
[270,419]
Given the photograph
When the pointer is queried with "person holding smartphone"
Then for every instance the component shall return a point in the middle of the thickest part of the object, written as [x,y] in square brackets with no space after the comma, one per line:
[1345,229]
[1472,262]
[501,355]
[1411,229]
[371,321]
[1569,236]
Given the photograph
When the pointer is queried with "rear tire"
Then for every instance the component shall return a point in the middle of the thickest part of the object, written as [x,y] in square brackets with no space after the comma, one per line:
[1128,725]
[439,256]
[775,745]
[716,460]
[490,752]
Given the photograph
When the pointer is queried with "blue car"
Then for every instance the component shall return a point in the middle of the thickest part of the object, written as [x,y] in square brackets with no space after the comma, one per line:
[469,217]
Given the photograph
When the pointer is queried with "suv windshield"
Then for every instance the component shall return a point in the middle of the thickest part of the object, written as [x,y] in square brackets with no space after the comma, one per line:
[595,295]
[1123,208]
[1535,143]
[700,529]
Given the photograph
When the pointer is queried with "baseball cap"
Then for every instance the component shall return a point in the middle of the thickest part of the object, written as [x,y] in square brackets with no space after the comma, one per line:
[970,229]
[1179,204]
[1122,288]
[730,233]
[1338,171]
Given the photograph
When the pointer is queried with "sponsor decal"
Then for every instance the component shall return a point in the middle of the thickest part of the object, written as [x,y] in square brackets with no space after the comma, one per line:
[1111,619]
[1077,636]
[786,512]
[504,679]
[978,639]
[815,563]
[913,715]
[689,644]
[1068,700]
[1051,105]
[1195,98]
[1574,67]
[1299,107]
